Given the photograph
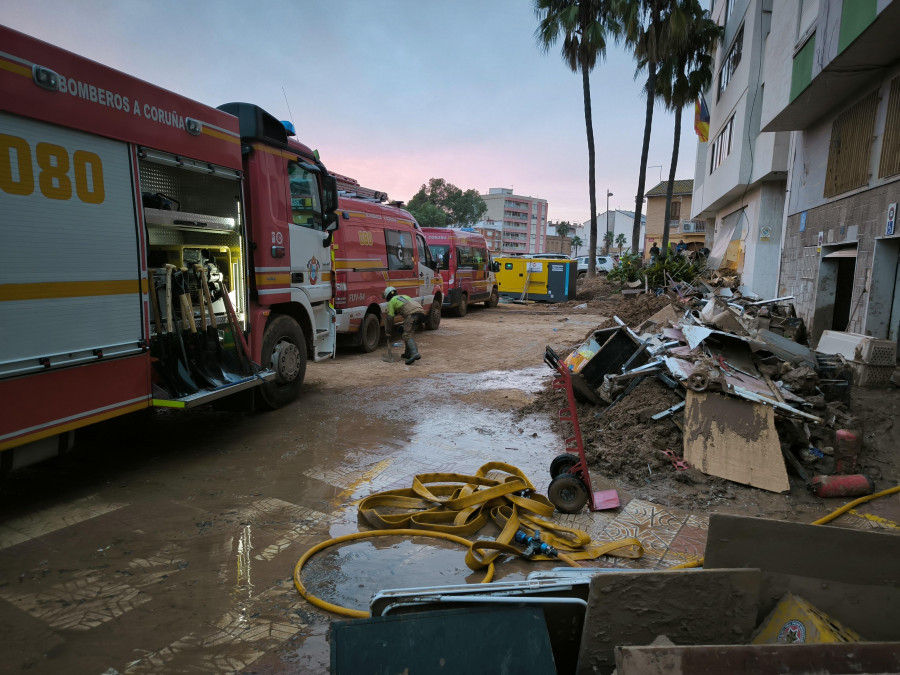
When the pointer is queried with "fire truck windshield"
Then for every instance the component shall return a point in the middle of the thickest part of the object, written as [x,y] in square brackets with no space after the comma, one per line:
[306,209]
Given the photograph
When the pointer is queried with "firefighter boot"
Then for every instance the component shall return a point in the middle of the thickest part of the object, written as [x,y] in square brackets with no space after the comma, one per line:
[412,351]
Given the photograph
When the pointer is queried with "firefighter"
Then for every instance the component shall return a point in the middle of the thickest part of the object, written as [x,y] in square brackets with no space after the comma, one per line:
[412,314]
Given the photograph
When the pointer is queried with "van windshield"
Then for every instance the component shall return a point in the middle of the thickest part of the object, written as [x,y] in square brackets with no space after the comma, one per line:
[441,254]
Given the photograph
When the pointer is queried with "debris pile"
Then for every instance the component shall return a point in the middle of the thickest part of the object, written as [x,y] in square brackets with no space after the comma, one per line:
[726,380]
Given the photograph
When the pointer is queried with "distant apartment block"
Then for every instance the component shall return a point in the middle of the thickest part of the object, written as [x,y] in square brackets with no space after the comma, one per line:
[523,220]
[493,234]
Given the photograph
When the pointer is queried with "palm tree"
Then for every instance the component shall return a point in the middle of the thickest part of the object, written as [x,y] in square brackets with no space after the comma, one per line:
[684,75]
[583,26]
[562,229]
[607,241]
[577,243]
[642,23]
[621,241]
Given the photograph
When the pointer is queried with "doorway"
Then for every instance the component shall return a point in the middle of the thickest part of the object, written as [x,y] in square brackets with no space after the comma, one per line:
[883,311]
[835,309]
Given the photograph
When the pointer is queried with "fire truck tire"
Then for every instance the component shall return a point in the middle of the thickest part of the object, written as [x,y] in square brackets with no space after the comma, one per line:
[494,300]
[463,305]
[567,493]
[283,350]
[433,319]
[562,464]
[369,333]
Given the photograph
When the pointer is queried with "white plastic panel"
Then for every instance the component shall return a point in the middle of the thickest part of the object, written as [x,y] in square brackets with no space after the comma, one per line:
[59,227]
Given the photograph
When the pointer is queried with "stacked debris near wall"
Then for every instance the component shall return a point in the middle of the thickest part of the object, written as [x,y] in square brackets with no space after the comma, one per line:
[714,387]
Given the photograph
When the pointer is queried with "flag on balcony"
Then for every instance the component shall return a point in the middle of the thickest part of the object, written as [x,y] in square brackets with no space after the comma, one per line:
[701,119]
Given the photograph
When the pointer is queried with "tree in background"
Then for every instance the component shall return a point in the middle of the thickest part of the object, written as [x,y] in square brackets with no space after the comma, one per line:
[583,26]
[562,229]
[684,75]
[607,241]
[621,241]
[577,243]
[642,29]
[440,204]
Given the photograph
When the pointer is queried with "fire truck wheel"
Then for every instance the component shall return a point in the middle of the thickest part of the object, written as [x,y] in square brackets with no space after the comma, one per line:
[283,350]
[494,300]
[562,463]
[433,320]
[369,333]
[463,305]
[567,493]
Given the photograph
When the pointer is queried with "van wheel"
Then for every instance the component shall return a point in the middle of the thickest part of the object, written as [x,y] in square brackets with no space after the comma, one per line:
[284,351]
[369,333]
[494,300]
[463,305]
[433,320]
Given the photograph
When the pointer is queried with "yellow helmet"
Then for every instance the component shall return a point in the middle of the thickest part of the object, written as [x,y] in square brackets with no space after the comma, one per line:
[389,292]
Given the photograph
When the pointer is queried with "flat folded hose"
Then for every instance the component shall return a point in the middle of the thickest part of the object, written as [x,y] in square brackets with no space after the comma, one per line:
[451,505]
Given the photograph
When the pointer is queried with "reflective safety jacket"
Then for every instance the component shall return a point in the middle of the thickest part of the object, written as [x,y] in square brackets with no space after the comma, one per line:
[404,306]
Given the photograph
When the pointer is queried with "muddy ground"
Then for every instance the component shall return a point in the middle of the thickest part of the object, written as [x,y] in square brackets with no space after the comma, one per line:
[166,541]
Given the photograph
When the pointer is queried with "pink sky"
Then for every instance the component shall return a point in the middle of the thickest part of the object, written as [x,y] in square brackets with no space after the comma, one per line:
[391,92]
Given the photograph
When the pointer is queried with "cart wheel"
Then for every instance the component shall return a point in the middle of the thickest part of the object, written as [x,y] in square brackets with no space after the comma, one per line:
[567,493]
[562,464]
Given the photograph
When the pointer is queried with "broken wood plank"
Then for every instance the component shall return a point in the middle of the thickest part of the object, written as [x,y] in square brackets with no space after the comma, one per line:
[734,439]
[628,608]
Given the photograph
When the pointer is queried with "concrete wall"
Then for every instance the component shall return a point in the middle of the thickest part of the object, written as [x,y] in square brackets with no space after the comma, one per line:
[858,218]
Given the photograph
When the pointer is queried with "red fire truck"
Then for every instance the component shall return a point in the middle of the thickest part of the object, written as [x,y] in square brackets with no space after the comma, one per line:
[378,245]
[466,267]
[155,251]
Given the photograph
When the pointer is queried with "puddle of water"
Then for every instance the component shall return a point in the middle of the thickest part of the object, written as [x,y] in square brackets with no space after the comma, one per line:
[349,575]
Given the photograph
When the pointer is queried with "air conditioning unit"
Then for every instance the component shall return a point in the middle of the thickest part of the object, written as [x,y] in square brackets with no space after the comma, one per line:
[688,227]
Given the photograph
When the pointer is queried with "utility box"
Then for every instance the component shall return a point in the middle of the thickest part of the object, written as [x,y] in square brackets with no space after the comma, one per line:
[542,279]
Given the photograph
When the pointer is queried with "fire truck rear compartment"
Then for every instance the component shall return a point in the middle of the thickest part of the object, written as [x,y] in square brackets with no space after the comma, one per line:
[193,216]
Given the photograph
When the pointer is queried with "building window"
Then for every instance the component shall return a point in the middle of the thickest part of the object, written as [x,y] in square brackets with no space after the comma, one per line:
[890,144]
[850,149]
[675,210]
[731,62]
[729,5]
[721,146]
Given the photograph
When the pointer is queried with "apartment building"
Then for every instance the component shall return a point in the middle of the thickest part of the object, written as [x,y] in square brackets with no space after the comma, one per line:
[740,175]
[523,220]
[681,227]
[493,235]
[833,83]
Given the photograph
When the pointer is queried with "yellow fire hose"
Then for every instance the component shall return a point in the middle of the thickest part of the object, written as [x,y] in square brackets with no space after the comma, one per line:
[821,521]
[450,506]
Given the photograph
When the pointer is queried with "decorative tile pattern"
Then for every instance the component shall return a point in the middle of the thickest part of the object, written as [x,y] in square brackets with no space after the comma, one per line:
[236,639]
[37,524]
[85,602]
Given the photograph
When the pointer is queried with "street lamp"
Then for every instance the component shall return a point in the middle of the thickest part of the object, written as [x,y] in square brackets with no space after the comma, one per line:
[608,195]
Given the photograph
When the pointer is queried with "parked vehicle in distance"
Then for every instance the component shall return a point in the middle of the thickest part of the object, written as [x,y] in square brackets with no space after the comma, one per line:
[605,264]
[378,245]
[466,267]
